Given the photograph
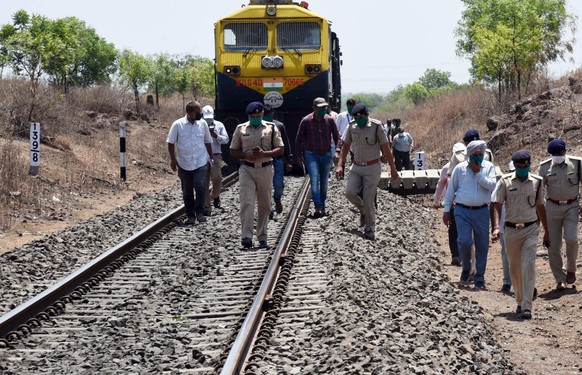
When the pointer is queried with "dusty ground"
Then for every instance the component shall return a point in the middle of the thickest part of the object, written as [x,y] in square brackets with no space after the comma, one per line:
[550,343]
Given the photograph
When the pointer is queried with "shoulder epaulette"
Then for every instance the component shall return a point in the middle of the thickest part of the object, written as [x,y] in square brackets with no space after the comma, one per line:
[536,176]
[377,122]
[577,158]
[545,161]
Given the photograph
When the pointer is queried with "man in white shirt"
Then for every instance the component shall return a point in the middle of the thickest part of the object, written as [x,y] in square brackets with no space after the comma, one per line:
[219,138]
[189,142]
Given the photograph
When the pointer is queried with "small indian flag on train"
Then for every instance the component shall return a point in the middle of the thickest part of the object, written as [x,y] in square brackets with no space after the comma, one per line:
[273,84]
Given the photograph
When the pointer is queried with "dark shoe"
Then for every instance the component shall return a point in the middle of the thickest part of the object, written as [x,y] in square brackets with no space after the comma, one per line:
[362,220]
[207,213]
[480,286]
[518,310]
[271,215]
[323,212]
[247,242]
[317,214]
[263,244]
[456,262]
[278,206]
[216,202]
[526,314]
[571,277]
[561,286]
[505,288]
[535,296]
[369,234]
[201,218]
[191,220]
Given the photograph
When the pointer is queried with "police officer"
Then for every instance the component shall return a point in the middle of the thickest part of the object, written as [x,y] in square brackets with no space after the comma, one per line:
[255,143]
[523,195]
[369,144]
[562,175]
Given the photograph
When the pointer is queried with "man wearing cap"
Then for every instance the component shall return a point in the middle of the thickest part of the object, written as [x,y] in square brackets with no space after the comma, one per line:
[523,195]
[402,144]
[279,165]
[219,137]
[369,144]
[561,176]
[469,190]
[255,143]
[189,147]
[314,136]
[470,135]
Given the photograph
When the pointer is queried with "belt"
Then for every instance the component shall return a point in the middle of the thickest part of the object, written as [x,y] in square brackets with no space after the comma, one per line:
[471,207]
[257,165]
[562,203]
[369,162]
[519,225]
[217,153]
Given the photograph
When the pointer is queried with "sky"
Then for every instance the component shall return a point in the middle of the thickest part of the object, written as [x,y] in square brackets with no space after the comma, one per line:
[384,43]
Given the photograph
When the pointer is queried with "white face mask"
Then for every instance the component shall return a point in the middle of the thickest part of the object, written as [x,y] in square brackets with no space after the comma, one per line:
[558,159]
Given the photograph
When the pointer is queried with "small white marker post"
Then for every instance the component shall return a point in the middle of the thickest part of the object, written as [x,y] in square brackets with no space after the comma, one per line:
[122,150]
[34,149]
[419,161]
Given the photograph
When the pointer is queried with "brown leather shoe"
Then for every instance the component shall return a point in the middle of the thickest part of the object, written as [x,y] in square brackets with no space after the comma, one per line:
[561,286]
[571,277]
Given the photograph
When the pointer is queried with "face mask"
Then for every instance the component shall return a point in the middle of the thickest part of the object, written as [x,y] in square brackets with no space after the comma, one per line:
[558,159]
[268,118]
[362,121]
[477,159]
[197,116]
[522,172]
[350,107]
[255,121]
[321,112]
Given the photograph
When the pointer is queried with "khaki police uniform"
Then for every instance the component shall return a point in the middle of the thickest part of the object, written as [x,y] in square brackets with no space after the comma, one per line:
[366,167]
[561,182]
[521,231]
[255,177]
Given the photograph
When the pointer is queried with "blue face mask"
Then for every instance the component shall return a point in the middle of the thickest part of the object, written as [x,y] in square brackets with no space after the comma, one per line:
[350,107]
[255,121]
[268,118]
[522,172]
[321,112]
[477,159]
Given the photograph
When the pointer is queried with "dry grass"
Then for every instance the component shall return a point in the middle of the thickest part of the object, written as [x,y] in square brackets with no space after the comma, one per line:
[79,148]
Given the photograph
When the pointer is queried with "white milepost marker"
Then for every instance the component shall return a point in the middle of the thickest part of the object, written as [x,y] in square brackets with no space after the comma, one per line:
[34,149]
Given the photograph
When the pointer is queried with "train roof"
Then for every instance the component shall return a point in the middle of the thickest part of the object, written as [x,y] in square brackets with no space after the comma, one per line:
[286,10]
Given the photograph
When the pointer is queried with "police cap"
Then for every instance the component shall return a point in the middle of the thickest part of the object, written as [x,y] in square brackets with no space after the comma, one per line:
[359,108]
[521,157]
[556,146]
[254,107]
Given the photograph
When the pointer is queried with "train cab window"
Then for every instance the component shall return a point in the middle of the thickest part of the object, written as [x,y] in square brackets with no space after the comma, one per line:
[298,35]
[245,36]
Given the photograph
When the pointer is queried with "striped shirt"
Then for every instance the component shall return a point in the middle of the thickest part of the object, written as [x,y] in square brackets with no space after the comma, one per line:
[315,134]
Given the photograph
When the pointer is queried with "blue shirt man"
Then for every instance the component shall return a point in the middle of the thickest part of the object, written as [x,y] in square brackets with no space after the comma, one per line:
[469,190]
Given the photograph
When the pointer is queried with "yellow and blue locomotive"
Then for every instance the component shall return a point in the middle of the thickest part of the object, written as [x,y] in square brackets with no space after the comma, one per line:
[279,53]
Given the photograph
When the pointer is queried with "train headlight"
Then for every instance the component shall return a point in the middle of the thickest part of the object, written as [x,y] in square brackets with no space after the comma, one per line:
[277,62]
[232,70]
[267,62]
[312,68]
[271,10]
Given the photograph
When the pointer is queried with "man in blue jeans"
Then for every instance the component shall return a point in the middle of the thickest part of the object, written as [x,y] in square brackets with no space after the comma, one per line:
[470,190]
[279,165]
[189,145]
[314,136]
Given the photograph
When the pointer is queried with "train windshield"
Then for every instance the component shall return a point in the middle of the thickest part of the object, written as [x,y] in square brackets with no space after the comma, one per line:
[299,35]
[245,36]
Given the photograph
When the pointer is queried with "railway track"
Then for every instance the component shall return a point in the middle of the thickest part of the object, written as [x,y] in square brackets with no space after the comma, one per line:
[197,320]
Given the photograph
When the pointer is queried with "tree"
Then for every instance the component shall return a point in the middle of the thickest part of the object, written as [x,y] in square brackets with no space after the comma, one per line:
[163,73]
[415,92]
[508,41]
[135,71]
[371,100]
[433,79]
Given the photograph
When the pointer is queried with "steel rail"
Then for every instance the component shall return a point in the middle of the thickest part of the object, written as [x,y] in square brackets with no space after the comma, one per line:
[22,314]
[245,337]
